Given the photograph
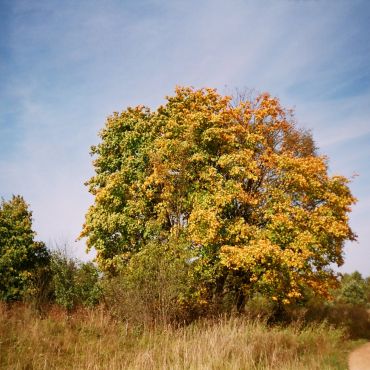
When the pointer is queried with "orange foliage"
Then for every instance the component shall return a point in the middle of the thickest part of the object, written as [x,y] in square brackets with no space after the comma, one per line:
[241,183]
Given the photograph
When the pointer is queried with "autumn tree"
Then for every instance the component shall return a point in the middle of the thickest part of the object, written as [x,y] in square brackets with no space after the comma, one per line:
[20,255]
[238,182]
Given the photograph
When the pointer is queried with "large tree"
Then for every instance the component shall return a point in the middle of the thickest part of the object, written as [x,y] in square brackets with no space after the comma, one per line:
[20,254]
[238,181]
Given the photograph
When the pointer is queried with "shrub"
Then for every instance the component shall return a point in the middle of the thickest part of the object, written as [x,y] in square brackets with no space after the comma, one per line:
[157,285]
[352,289]
[74,283]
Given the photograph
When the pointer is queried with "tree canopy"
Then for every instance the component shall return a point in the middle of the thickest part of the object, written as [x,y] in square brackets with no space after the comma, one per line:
[20,254]
[238,183]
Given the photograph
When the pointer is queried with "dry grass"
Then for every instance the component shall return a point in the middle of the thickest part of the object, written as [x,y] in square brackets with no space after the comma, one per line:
[92,340]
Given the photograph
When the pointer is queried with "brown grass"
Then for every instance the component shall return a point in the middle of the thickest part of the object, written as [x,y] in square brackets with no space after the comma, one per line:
[93,340]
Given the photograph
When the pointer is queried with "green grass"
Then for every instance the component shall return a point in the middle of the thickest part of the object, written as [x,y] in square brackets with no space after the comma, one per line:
[93,340]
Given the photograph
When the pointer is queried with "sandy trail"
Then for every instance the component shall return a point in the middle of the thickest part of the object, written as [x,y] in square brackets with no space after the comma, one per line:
[359,359]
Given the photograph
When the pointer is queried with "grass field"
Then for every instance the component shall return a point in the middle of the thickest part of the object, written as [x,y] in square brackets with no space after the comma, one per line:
[93,340]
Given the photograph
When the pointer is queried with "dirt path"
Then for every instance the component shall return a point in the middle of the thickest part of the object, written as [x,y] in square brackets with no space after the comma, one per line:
[359,359]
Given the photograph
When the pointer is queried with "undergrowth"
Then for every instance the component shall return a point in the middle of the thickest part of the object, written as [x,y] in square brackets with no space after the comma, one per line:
[92,339]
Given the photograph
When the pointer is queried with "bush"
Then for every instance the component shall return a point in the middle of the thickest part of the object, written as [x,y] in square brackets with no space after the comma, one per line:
[352,289]
[74,283]
[353,318]
[156,285]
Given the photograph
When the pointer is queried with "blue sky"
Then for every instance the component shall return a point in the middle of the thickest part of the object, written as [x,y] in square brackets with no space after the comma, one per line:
[65,66]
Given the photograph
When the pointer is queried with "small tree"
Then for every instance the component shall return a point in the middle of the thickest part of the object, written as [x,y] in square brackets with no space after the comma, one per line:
[73,283]
[157,285]
[353,289]
[20,255]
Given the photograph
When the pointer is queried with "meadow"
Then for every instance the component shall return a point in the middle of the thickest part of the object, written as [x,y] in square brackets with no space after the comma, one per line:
[93,339]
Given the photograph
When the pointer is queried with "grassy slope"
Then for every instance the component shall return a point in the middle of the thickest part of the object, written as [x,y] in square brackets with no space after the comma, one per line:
[91,340]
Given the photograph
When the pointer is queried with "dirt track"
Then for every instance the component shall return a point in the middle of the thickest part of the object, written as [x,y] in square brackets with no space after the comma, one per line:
[359,359]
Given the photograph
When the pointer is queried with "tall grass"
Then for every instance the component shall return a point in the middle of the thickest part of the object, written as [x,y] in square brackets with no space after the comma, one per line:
[91,339]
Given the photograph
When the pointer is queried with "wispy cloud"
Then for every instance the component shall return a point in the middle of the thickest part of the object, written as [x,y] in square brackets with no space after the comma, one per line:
[67,66]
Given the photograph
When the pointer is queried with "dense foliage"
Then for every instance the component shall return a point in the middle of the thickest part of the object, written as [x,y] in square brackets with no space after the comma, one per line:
[21,256]
[73,283]
[238,182]
[353,289]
